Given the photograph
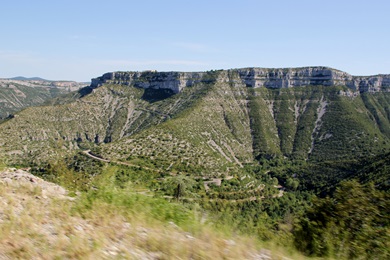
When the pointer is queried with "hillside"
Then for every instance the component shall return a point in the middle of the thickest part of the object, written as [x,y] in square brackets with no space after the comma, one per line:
[19,93]
[211,120]
[258,152]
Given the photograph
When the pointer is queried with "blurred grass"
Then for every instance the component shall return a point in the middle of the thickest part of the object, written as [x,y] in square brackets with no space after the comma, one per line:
[107,221]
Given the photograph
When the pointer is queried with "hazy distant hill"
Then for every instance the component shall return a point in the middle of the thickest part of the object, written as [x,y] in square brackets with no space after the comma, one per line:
[20,92]
[24,78]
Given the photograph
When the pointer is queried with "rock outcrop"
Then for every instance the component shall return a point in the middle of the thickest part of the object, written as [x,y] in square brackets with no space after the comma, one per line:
[18,177]
[252,77]
[174,81]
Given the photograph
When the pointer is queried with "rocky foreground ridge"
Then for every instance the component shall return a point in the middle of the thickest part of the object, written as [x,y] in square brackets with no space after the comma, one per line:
[252,77]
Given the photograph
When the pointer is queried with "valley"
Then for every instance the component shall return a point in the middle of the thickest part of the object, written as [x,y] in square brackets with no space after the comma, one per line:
[260,152]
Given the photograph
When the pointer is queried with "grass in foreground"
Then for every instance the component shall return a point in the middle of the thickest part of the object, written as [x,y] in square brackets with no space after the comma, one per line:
[37,222]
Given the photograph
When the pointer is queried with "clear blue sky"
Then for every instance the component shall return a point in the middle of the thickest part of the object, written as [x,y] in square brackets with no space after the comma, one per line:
[79,40]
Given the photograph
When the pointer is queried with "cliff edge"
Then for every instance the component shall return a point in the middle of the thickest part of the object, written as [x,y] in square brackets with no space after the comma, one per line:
[252,77]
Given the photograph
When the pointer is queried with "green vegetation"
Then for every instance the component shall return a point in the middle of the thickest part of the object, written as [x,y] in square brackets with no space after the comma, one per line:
[323,177]
[353,224]
[276,164]
[351,221]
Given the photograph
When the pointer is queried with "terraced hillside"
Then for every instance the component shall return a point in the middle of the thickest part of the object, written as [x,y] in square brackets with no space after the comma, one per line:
[210,123]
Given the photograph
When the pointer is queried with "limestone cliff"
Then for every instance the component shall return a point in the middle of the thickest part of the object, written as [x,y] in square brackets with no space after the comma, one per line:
[252,77]
[174,81]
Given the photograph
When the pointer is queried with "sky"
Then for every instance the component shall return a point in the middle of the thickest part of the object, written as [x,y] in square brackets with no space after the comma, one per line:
[83,39]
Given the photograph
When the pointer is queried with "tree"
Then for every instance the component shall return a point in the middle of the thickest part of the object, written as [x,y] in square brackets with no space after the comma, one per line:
[352,224]
[292,184]
[179,186]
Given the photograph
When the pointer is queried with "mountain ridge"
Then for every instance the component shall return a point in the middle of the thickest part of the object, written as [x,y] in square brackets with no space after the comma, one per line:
[252,77]
[28,78]
[218,118]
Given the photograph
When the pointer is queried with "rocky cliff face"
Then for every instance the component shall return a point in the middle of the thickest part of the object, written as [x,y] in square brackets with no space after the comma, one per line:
[252,77]
[298,77]
[174,81]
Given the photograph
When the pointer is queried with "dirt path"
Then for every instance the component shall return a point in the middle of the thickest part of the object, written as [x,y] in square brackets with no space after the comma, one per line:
[88,153]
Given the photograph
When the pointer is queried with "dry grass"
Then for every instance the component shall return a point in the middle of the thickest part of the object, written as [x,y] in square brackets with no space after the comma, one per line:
[36,224]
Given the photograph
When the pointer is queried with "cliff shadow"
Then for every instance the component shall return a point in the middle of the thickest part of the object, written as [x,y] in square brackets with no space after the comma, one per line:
[153,95]
[85,91]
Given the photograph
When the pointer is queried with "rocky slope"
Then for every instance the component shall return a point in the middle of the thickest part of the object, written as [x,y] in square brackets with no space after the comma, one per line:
[210,122]
[18,94]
